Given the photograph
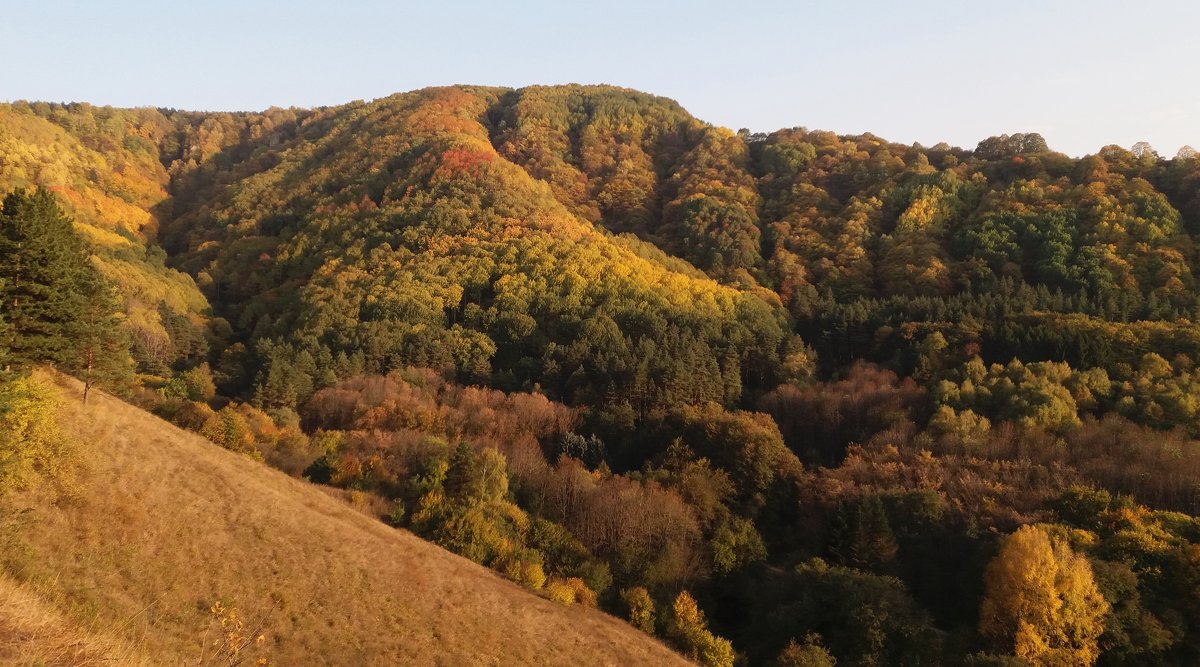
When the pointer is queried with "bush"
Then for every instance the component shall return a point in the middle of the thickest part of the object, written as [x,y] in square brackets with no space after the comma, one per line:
[292,452]
[526,571]
[229,429]
[198,383]
[571,590]
[808,654]
[30,440]
[583,595]
[558,591]
[176,387]
[395,516]
[192,416]
[641,608]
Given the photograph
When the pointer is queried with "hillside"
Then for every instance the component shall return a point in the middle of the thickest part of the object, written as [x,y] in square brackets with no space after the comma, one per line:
[776,398]
[160,524]
[395,231]
[104,165]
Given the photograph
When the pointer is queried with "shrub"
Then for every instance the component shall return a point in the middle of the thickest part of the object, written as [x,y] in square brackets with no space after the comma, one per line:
[30,440]
[198,383]
[571,590]
[176,387]
[808,654]
[192,416]
[526,570]
[641,608]
[229,429]
[558,591]
[293,452]
[583,595]
[396,514]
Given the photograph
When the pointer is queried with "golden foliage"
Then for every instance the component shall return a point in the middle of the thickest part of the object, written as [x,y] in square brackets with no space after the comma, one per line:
[571,590]
[641,608]
[31,443]
[690,629]
[1041,601]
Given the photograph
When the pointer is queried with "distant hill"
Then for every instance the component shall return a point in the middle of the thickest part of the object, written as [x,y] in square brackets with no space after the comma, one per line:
[160,524]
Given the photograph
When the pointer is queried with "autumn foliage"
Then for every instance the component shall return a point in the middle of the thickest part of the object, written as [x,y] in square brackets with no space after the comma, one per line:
[783,398]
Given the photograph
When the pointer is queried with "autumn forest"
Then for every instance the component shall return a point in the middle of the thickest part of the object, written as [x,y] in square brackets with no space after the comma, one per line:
[788,399]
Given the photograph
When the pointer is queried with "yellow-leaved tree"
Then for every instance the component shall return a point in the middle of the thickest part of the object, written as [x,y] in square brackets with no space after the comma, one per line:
[690,629]
[1041,602]
[641,608]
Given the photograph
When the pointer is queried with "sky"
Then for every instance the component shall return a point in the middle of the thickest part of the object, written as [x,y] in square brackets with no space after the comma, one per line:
[1084,74]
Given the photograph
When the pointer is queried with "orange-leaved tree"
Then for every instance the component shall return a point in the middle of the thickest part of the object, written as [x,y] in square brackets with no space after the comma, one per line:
[1041,601]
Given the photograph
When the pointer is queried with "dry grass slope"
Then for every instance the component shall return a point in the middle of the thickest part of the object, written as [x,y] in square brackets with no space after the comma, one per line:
[34,633]
[162,523]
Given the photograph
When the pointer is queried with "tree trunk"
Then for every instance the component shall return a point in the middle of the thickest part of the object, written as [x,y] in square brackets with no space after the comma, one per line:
[89,357]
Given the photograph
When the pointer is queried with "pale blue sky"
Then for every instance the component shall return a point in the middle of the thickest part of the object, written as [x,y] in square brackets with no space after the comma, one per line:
[1084,74]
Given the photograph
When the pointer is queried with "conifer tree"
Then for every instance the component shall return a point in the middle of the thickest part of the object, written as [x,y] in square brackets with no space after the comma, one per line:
[43,263]
[57,307]
[100,345]
[862,536]
[6,334]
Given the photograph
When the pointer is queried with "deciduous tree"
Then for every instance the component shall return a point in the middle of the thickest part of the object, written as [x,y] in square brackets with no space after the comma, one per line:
[1041,601]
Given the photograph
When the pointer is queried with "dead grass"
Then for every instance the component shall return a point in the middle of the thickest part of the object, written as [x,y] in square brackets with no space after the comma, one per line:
[34,633]
[164,523]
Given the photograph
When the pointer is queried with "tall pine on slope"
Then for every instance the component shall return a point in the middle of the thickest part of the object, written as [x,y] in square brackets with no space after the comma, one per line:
[6,335]
[56,306]
[100,350]
[43,263]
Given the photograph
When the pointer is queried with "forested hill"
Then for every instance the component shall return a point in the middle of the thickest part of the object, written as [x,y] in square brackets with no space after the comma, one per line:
[369,236]
[375,234]
[843,371]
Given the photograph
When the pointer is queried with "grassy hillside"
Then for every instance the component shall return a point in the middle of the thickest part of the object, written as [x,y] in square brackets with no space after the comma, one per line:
[33,632]
[158,525]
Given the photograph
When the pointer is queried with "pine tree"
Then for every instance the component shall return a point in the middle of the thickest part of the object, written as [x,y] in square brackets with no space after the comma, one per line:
[101,346]
[6,335]
[731,372]
[43,264]
[862,536]
[58,308]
